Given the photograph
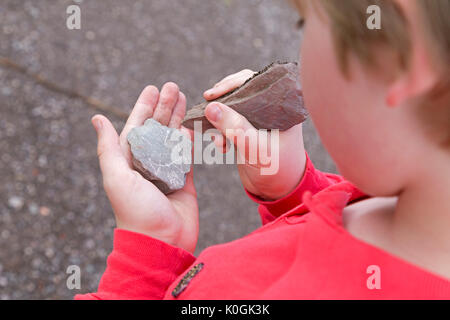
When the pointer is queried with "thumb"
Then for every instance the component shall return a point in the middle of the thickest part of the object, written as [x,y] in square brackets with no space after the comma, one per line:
[112,161]
[233,126]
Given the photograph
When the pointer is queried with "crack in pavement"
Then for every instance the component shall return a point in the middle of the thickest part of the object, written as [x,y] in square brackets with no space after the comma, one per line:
[90,101]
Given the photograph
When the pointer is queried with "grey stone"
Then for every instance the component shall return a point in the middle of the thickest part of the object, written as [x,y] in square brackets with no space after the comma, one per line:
[161,154]
[271,99]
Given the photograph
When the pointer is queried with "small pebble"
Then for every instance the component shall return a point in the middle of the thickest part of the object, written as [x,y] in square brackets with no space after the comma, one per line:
[3,281]
[16,202]
[44,211]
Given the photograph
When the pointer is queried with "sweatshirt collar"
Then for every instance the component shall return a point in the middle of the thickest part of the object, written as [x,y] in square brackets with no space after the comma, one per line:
[330,202]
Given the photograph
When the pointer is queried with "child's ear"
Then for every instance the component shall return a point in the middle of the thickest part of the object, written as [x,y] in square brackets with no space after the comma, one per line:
[416,81]
[421,75]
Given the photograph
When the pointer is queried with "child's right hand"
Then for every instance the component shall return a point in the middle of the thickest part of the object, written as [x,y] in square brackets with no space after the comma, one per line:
[292,157]
[138,205]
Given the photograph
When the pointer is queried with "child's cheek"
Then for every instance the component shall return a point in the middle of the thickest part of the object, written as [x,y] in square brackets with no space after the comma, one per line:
[308,65]
[327,94]
[319,73]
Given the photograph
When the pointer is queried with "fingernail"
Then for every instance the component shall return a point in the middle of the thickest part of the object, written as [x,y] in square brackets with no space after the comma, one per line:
[98,125]
[214,112]
[209,92]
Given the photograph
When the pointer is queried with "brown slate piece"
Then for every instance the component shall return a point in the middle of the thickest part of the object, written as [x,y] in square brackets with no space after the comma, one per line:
[271,99]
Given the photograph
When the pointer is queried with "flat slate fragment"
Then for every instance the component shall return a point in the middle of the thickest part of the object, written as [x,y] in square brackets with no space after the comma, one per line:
[271,99]
[152,147]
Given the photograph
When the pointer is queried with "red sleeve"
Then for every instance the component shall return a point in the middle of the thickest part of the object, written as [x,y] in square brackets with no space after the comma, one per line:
[139,267]
[313,180]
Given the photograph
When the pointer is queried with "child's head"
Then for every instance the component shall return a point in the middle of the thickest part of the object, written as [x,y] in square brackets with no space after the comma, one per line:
[379,98]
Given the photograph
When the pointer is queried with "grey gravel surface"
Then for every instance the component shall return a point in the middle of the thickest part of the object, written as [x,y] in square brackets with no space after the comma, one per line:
[53,210]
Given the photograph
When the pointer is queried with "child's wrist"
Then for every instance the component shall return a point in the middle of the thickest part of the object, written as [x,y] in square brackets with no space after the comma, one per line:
[275,195]
[167,236]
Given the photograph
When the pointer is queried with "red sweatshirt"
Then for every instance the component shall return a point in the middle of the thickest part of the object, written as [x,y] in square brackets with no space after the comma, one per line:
[302,251]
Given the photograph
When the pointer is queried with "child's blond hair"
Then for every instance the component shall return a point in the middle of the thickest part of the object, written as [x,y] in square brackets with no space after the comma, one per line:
[348,20]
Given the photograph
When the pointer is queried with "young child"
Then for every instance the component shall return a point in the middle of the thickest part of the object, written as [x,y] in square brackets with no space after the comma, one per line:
[380,101]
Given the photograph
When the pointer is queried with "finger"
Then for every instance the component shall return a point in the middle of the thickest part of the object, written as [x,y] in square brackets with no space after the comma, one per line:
[143,110]
[228,84]
[243,73]
[232,76]
[223,88]
[189,186]
[178,112]
[167,101]
[233,126]
[220,142]
[188,132]
[112,161]
[226,145]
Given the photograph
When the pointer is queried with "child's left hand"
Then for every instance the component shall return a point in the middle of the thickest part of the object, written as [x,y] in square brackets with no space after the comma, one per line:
[139,205]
